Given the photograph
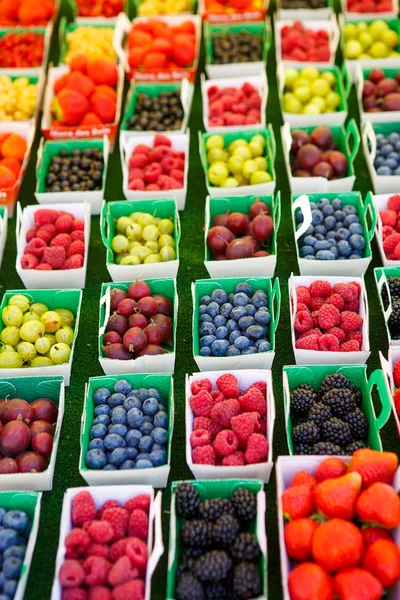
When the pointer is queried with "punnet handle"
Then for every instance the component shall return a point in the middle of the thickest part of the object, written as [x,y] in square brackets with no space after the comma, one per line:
[303,203]
[378,379]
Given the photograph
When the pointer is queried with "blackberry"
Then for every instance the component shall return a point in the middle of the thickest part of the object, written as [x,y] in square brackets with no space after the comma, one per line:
[302,398]
[319,413]
[213,566]
[225,530]
[303,449]
[298,419]
[193,552]
[359,445]
[394,320]
[326,448]
[305,433]
[340,401]
[211,510]
[336,431]
[246,547]
[197,533]
[189,588]
[245,504]
[336,380]
[246,581]
[218,591]
[187,500]
[358,424]
[186,564]
[394,286]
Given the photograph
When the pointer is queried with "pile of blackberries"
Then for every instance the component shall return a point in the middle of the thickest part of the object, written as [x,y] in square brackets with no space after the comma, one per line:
[394,318]
[158,113]
[236,48]
[80,171]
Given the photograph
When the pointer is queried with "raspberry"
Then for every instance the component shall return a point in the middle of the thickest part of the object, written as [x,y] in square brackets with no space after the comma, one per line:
[200,437]
[336,300]
[301,306]
[101,532]
[208,424]
[350,321]
[390,242]
[253,401]
[225,442]
[394,202]
[107,504]
[328,316]
[76,593]
[121,572]
[396,252]
[44,267]
[98,550]
[353,306]
[76,543]
[320,287]
[64,223]
[83,508]
[118,549]
[71,574]
[386,231]
[133,590]
[78,225]
[316,303]
[228,385]
[54,256]
[261,385]
[388,217]
[236,459]
[244,425]
[337,332]
[138,525]
[396,374]
[76,248]
[62,239]
[350,346]
[46,232]
[303,295]
[314,316]
[308,343]
[96,569]
[303,321]
[76,235]
[35,247]
[30,234]
[86,525]
[100,592]
[314,331]
[118,517]
[142,501]
[73,262]
[348,291]
[354,335]
[217,396]
[203,455]
[137,554]
[44,216]
[224,411]
[396,400]
[328,343]
[29,261]
[203,384]
[257,449]
[201,404]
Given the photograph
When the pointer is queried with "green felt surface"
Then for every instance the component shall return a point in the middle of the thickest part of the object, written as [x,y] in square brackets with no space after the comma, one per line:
[191,267]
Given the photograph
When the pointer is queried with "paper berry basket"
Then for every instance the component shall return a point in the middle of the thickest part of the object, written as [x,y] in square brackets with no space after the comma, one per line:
[162,363]
[70,299]
[389,116]
[256,13]
[46,33]
[154,90]
[286,469]
[382,275]
[65,28]
[343,87]
[261,360]
[389,14]
[217,489]
[3,230]
[297,14]
[158,476]
[47,151]
[30,389]
[380,202]
[320,357]
[121,493]
[301,204]
[222,71]
[262,266]
[341,136]
[92,20]
[258,82]
[257,471]
[243,190]
[382,184]
[31,278]
[356,374]
[122,28]
[387,368]
[112,211]
[180,142]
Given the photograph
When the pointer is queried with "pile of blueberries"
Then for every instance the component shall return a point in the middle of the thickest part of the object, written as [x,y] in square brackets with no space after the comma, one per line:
[387,157]
[234,324]
[335,232]
[130,429]
[15,527]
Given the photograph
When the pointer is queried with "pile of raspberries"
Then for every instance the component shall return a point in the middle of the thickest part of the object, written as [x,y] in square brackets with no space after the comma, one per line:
[391,228]
[106,551]
[327,317]
[230,424]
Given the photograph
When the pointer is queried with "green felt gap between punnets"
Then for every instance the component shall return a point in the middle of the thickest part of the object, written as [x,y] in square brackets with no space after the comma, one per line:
[86,363]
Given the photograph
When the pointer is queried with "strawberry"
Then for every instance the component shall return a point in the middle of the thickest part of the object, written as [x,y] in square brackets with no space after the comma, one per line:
[396,373]
[379,505]
[337,497]
[303,478]
[337,544]
[298,538]
[330,467]
[396,400]
[357,584]
[297,502]
[371,534]
[309,581]
[374,466]
[382,559]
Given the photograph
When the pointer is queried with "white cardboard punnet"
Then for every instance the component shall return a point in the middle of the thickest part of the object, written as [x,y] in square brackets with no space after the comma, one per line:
[71,278]
[257,471]
[30,548]
[122,493]
[382,184]
[380,202]
[387,368]
[34,71]
[3,232]
[319,357]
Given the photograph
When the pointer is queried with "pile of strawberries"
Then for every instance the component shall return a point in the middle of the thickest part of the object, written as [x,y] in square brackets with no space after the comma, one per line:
[56,241]
[301,44]
[229,426]
[396,377]
[233,106]
[391,228]
[157,168]
[106,551]
[339,527]
[327,317]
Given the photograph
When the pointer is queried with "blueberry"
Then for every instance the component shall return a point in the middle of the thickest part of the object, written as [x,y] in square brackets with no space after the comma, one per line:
[357,241]
[10,588]
[12,567]
[349,209]
[98,431]
[230,298]
[16,519]
[205,351]
[226,309]
[319,237]
[313,206]
[323,245]
[2,582]
[160,435]
[255,332]
[310,257]
[250,310]
[386,149]
[337,204]
[123,386]
[238,312]
[221,333]
[264,346]
[118,429]
[260,298]
[150,406]
[158,458]
[101,396]
[206,318]
[339,215]
[146,443]
[241,342]
[321,229]
[114,440]
[219,347]
[351,219]
[102,420]
[161,419]
[232,351]
[342,234]
[219,321]
[95,459]
[109,467]
[207,329]
[250,350]
[96,443]
[233,336]
[299,216]
[332,242]
[330,223]
[231,325]
[133,438]
[118,415]
[116,400]
[219,296]
[245,322]
[394,137]
[262,317]
[132,402]
[331,235]
[397,146]
[134,417]
[143,456]
[327,209]
[146,428]
[143,394]
[213,309]
[132,453]
[309,230]
[126,465]
[317,217]
[378,162]
[205,300]
[356,228]
[158,446]
[391,163]
[102,409]
[202,309]
[207,340]
[117,456]
[325,255]
[309,240]
[2,513]
[18,551]
[339,225]
[355,255]
[323,202]
[384,170]
[334,251]
[240,299]
[344,248]
[397,171]
[144,464]
[306,251]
